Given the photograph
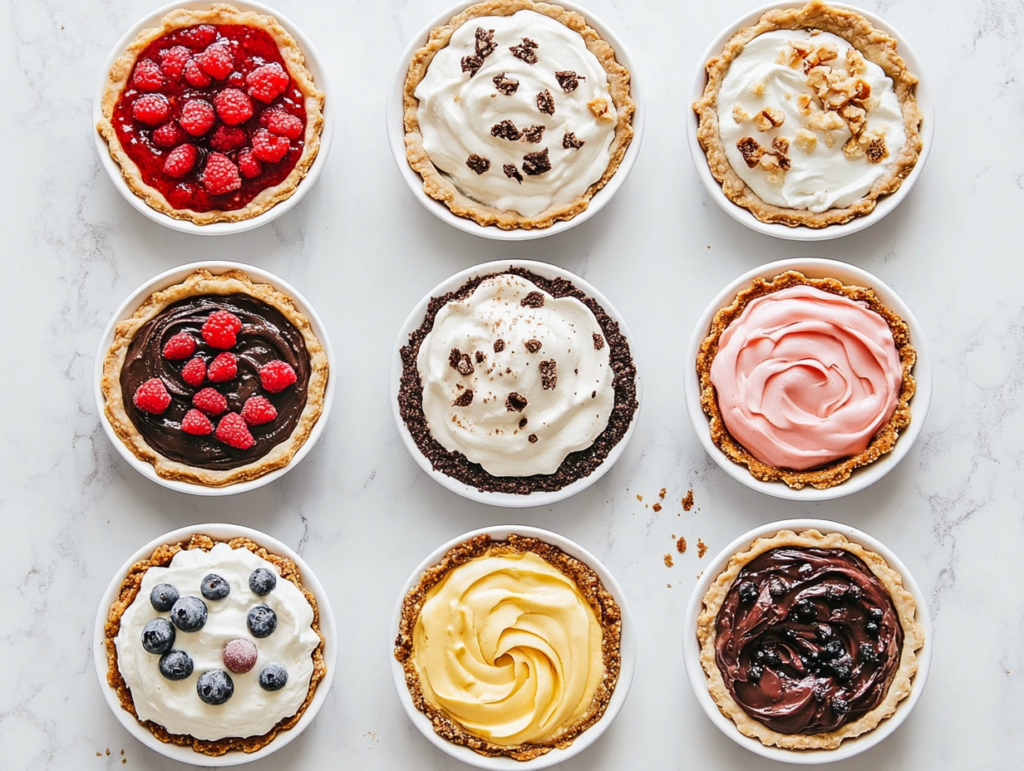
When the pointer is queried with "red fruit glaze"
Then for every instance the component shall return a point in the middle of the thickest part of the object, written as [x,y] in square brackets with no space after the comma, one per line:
[210,400]
[196,423]
[194,373]
[276,376]
[179,347]
[224,139]
[152,396]
[223,368]
[233,432]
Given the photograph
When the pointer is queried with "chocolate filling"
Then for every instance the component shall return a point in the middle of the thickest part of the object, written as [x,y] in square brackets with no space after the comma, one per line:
[576,465]
[807,640]
[266,335]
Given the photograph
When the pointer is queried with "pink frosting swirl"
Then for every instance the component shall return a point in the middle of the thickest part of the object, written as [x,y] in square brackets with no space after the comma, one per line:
[805,377]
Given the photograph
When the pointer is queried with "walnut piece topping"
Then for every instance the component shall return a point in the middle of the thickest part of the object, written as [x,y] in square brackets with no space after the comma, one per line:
[805,140]
[757,89]
[478,163]
[781,145]
[506,130]
[804,103]
[499,345]
[533,134]
[548,375]
[512,172]
[485,46]
[464,399]
[855,62]
[506,86]
[570,142]
[568,80]
[751,151]
[460,362]
[546,102]
[769,118]
[739,114]
[515,402]
[598,342]
[536,163]
[533,345]
[533,300]
[599,108]
[823,53]
[525,51]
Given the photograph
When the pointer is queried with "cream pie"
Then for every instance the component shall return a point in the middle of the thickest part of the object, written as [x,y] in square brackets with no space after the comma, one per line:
[516,113]
[536,642]
[214,645]
[216,380]
[805,380]
[213,115]
[808,640]
[809,117]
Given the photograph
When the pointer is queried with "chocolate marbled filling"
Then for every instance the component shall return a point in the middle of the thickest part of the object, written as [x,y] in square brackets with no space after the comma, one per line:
[815,648]
[266,335]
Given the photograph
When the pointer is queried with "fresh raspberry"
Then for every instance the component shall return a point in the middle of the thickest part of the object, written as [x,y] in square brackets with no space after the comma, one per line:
[197,117]
[147,75]
[266,82]
[240,656]
[257,410]
[217,61]
[210,400]
[152,397]
[269,147]
[195,76]
[168,135]
[224,139]
[220,328]
[172,62]
[276,376]
[282,123]
[180,161]
[194,373]
[196,423]
[180,347]
[151,109]
[223,368]
[201,36]
[248,164]
[233,432]
[220,175]
[233,106]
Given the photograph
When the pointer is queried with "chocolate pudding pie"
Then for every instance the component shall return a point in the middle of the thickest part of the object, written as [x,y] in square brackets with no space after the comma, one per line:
[516,113]
[510,648]
[515,383]
[805,380]
[215,380]
[808,640]
[809,117]
[213,115]
[215,645]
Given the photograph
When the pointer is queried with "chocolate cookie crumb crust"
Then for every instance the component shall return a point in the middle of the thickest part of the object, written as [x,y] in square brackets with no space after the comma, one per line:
[126,596]
[605,608]
[578,464]
[831,474]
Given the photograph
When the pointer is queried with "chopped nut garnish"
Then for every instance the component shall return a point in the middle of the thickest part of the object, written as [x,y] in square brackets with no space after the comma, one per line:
[532,438]
[769,118]
[791,57]
[817,78]
[471,64]
[536,163]
[533,300]
[823,53]
[598,342]
[533,345]
[770,162]
[512,172]
[499,345]
[546,102]
[515,402]
[478,164]
[548,375]
[781,145]
[506,86]
[533,134]
[522,423]
[855,62]
[568,80]
[826,121]
[464,399]
[480,356]
[852,148]
[805,140]
[739,114]
[876,150]
[750,150]
[506,130]
[804,103]
[600,110]
[485,46]
[460,362]
[570,142]
[525,51]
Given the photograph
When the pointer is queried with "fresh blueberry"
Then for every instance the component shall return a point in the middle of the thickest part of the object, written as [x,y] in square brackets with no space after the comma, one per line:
[835,593]
[842,669]
[262,621]
[772,659]
[840,706]
[215,588]
[273,677]
[868,653]
[163,597]
[820,692]
[755,673]
[158,636]
[790,634]
[805,609]
[854,593]
[777,587]
[215,687]
[189,614]
[872,629]
[823,632]
[759,656]
[875,614]
[835,649]
[176,665]
[262,581]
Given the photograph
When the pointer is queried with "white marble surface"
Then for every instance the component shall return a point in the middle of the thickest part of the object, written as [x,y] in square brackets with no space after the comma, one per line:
[363,251]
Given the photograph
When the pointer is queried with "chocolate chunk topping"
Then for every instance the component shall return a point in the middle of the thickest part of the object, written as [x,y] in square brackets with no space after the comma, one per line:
[533,345]
[460,362]
[478,164]
[750,150]
[471,64]
[506,86]
[485,46]
[479,357]
[465,399]
[533,133]
[536,163]
[512,172]
[546,102]
[522,423]
[525,51]
[515,402]
[499,345]
[598,342]
[533,300]
[548,375]
[569,80]
[506,130]
[532,438]
[570,142]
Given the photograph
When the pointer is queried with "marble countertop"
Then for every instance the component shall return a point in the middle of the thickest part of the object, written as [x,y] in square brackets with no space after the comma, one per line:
[360,511]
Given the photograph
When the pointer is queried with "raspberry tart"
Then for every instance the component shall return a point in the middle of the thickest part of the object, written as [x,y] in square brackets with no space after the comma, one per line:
[213,115]
[215,380]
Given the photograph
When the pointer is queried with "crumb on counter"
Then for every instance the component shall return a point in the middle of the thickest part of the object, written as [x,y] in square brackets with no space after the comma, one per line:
[656,507]
[681,545]
[668,560]
[702,548]
[688,500]
[662,493]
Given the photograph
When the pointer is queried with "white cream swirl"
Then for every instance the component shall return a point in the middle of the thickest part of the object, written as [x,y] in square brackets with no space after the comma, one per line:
[513,410]
[457,111]
[508,647]
[251,711]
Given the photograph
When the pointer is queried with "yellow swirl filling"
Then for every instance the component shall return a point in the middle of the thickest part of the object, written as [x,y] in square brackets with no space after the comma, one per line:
[507,646]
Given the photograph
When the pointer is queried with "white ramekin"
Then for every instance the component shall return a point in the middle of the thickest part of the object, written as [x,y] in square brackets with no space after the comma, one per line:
[176,276]
[510,500]
[862,477]
[588,737]
[698,679]
[320,77]
[396,136]
[187,754]
[802,233]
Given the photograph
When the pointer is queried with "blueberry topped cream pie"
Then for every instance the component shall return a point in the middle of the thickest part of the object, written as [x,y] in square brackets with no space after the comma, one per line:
[809,117]
[808,640]
[516,113]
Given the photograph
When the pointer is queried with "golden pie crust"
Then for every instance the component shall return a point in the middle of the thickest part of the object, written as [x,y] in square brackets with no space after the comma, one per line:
[205,282]
[902,600]
[293,58]
[441,188]
[605,608]
[839,471]
[876,46]
[126,596]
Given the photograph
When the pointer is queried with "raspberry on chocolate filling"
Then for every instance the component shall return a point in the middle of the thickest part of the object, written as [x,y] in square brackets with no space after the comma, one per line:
[807,640]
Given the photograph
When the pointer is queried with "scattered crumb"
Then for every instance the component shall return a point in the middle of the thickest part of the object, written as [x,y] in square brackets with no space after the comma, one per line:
[668,586]
[702,548]
[124,761]
[108,751]
[640,498]
[681,546]
[662,494]
[99,754]
[122,752]
[673,536]
[688,500]
[668,560]
[656,507]
[709,246]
